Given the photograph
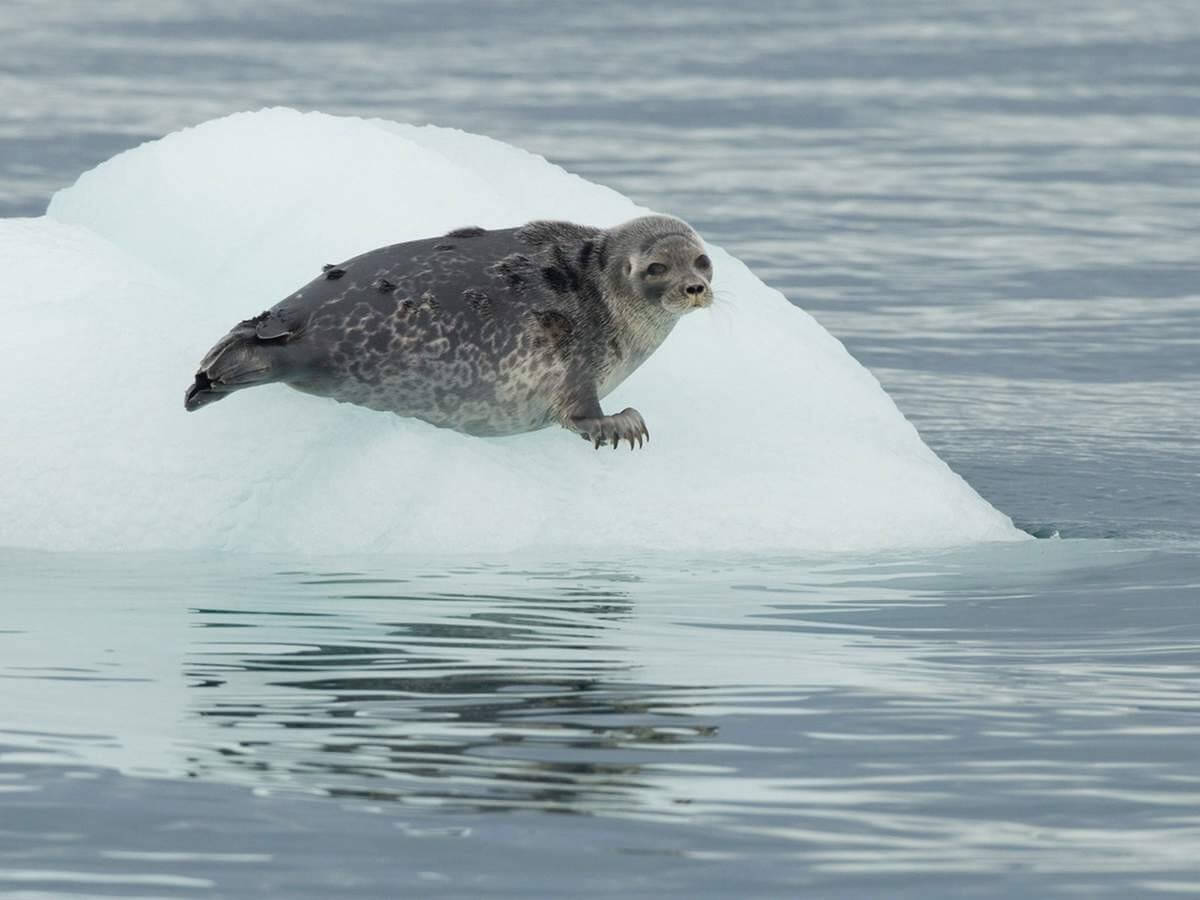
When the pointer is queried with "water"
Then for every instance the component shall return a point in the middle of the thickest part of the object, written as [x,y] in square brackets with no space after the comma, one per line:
[994,206]
[1002,719]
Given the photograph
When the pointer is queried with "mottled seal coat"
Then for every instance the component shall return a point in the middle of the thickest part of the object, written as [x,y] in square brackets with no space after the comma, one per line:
[486,332]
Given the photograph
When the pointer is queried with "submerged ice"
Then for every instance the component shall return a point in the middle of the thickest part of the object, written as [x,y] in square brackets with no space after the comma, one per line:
[767,434]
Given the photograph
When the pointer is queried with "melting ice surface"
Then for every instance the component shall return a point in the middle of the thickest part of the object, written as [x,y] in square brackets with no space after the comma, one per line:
[767,433]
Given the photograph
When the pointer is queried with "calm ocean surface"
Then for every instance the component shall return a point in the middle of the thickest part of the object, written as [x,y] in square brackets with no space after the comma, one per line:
[994,206]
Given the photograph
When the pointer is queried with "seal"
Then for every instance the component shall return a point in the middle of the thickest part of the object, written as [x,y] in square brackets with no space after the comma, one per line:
[487,332]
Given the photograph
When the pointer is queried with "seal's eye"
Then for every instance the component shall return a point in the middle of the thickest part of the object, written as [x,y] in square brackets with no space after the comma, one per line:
[656,269]
[703,262]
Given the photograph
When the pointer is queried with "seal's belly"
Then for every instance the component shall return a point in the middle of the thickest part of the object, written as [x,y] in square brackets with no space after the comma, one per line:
[446,381]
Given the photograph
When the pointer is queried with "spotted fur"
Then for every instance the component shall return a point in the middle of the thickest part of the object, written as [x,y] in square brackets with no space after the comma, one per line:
[486,332]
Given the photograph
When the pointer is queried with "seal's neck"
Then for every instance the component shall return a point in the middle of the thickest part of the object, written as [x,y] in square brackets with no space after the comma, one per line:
[639,330]
[644,326]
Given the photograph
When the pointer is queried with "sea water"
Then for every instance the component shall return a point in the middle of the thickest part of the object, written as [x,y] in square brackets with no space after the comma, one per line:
[993,207]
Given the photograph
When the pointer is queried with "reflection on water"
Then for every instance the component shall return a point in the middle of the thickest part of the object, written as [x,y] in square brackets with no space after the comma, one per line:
[426,694]
[1025,708]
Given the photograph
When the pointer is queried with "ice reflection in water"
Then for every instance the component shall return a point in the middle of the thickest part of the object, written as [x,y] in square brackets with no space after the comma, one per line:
[465,696]
[890,716]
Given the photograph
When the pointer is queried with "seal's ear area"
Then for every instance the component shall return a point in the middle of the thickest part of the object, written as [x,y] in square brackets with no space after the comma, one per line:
[628,267]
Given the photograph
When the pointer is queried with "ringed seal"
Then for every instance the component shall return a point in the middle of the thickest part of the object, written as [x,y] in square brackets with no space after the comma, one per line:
[486,332]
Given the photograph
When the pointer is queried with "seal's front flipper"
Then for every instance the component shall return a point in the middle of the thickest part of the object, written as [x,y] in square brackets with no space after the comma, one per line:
[582,414]
[627,425]
[603,430]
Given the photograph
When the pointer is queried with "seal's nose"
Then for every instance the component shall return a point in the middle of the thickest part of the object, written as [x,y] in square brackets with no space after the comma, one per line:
[694,289]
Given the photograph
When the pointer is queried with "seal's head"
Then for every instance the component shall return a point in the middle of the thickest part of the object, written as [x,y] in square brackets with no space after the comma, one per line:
[663,263]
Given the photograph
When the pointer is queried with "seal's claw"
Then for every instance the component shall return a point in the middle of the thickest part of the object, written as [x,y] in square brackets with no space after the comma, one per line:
[626,425]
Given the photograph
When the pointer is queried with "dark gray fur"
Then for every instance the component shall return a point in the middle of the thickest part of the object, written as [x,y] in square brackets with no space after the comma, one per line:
[486,332]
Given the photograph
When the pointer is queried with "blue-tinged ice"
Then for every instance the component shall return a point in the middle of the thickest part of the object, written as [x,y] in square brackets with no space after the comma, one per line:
[767,434]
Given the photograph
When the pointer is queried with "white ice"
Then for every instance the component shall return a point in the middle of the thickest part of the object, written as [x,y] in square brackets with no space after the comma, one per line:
[767,434]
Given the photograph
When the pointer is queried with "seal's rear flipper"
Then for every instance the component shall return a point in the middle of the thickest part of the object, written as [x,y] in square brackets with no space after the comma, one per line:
[239,360]
[200,393]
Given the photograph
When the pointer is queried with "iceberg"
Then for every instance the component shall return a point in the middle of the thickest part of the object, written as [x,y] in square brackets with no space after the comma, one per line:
[768,435]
